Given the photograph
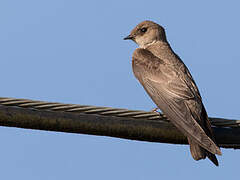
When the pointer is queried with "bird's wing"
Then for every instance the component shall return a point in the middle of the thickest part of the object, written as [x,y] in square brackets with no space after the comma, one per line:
[175,93]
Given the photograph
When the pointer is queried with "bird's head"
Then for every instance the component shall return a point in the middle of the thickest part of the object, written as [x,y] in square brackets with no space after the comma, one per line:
[146,33]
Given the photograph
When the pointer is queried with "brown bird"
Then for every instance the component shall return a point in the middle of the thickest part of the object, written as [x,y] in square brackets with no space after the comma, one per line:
[170,85]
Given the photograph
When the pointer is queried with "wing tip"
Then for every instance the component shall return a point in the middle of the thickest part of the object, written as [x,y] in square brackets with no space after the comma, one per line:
[218,151]
[214,150]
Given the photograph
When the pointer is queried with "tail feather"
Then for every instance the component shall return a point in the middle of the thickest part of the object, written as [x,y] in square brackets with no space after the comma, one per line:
[199,153]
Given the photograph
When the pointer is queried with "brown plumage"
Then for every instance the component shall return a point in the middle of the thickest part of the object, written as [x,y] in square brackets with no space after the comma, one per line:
[170,85]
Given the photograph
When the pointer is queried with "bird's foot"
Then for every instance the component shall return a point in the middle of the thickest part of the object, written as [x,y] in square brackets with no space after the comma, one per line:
[155,110]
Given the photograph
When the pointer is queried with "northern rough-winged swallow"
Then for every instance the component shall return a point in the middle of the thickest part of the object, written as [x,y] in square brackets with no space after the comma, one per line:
[170,85]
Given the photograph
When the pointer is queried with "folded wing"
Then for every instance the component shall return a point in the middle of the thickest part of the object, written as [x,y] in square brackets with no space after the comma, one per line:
[173,90]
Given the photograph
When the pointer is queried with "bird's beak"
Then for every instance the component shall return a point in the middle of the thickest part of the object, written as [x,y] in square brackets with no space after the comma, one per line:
[128,37]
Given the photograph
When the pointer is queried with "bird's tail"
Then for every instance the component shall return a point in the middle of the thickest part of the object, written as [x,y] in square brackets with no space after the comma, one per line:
[198,152]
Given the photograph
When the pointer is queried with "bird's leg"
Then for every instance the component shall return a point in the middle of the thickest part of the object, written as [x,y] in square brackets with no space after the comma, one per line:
[155,110]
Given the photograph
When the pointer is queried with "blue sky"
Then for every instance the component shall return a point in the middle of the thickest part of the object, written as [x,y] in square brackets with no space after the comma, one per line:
[73,52]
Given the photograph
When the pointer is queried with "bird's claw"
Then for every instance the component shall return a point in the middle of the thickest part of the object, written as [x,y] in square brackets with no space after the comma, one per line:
[155,110]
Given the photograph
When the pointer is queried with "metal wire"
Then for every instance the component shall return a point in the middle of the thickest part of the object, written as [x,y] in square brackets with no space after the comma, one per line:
[107,111]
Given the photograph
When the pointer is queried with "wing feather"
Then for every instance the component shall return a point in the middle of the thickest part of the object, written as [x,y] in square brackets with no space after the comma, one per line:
[175,93]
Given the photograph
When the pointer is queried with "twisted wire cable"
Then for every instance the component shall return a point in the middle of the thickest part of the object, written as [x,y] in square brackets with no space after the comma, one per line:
[106,121]
[107,111]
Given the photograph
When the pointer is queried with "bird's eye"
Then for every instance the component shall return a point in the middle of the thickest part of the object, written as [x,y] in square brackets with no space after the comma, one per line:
[143,29]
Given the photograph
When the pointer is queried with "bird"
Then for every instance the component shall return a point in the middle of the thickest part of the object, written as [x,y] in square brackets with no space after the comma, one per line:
[168,82]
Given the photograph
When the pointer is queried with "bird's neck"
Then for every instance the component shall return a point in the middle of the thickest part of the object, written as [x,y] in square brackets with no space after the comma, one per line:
[162,50]
[144,46]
